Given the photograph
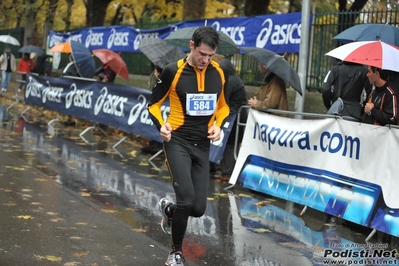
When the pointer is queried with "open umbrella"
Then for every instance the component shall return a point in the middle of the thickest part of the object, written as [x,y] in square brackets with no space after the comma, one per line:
[373,53]
[182,37]
[28,49]
[62,47]
[370,32]
[276,64]
[113,60]
[9,39]
[160,52]
[82,57]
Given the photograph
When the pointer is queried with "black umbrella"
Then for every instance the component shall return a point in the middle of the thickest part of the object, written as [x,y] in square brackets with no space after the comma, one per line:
[277,64]
[28,49]
[182,37]
[159,52]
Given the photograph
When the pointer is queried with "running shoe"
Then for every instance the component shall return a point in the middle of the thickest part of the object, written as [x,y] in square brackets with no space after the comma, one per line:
[175,259]
[166,221]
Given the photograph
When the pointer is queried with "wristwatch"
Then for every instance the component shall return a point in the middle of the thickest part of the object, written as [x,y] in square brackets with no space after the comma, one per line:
[369,113]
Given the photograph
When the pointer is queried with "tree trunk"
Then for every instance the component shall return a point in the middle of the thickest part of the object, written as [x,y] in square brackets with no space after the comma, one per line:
[30,21]
[256,7]
[67,19]
[347,18]
[95,12]
[194,9]
[49,22]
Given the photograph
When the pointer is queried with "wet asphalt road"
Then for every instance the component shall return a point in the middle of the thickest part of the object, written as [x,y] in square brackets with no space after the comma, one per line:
[238,228]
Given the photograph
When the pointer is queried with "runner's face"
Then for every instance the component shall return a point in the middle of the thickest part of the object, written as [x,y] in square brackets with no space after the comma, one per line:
[201,55]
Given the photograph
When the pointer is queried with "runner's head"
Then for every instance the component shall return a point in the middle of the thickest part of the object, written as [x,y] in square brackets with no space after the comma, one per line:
[203,45]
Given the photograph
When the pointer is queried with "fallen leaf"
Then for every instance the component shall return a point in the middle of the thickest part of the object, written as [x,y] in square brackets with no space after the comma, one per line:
[26,190]
[108,211]
[41,179]
[72,263]
[244,195]
[81,254]
[208,198]
[85,194]
[9,204]
[139,230]
[35,203]
[51,213]
[76,237]
[82,223]
[261,203]
[260,230]
[52,258]
[56,220]
[25,217]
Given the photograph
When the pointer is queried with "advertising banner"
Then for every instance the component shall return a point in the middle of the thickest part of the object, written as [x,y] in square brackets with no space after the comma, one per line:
[335,166]
[278,33]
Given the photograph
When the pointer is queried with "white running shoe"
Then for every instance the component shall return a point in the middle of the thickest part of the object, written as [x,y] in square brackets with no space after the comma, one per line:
[175,259]
[166,221]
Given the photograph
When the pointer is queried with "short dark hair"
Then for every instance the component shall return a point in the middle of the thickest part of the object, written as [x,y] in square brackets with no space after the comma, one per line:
[206,35]
[384,74]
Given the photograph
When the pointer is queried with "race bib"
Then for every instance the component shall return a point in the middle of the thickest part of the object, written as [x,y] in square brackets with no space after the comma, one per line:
[200,104]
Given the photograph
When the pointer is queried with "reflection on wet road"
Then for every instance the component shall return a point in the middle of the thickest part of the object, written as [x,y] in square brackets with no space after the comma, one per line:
[238,228]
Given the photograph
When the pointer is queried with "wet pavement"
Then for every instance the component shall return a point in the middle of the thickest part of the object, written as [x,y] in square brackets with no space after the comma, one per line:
[68,200]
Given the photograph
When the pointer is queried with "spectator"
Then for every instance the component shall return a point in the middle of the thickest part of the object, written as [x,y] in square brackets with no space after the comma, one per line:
[382,106]
[43,64]
[7,66]
[346,81]
[70,69]
[236,97]
[272,92]
[105,74]
[25,66]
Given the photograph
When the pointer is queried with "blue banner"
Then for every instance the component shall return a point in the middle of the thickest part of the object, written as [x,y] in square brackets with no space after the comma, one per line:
[115,105]
[278,33]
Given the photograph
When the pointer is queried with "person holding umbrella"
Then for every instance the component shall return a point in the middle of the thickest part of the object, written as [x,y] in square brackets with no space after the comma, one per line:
[7,66]
[195,88]
[105,74]
[25,66]
[272,94]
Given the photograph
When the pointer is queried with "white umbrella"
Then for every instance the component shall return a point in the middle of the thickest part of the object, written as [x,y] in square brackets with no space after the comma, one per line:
[9,39]
[373,53]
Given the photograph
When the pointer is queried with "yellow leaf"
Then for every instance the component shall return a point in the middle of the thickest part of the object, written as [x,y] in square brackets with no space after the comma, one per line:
[85,194]
[261,203]
[26,190]
[53,258]
[208,198]
[244,195]
[51,213]
[139,230]
[261,230]
[25,217]
[7,190]
[108,211]
[9,204]
[41,179]
[35,203]
[76,237]
[82,223]
[56,220]
[81,254]
[133,153]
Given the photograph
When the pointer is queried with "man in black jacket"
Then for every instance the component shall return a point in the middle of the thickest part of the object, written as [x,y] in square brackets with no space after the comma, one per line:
[346,81]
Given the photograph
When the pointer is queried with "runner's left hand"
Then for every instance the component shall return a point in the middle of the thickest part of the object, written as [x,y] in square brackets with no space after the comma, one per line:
[214,133]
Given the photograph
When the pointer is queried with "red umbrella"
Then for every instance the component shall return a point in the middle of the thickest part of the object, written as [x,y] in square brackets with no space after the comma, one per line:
[373,53]
[114,61]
